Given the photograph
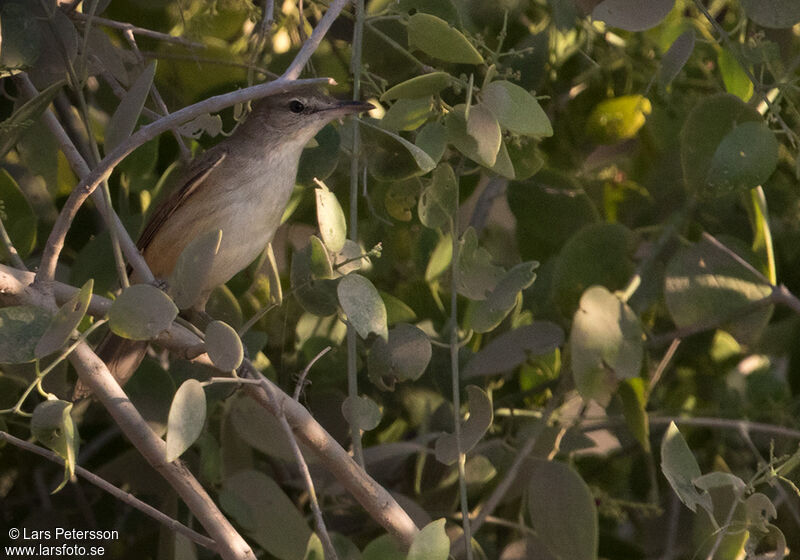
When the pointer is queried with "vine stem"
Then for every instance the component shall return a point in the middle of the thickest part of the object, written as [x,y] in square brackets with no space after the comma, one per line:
[352,366]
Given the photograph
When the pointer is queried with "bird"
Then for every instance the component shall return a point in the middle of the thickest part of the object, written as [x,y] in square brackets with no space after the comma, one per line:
[241,186]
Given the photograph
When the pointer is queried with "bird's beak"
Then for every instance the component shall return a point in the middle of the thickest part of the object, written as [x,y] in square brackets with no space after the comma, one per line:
[344,108]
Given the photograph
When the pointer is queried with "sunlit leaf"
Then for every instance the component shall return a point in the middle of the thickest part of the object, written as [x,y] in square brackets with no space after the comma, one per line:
[363,305]
[438,201]
[618,119]
[407,114]
[187,415]
[141,312]
[431,543]
[124,119]
[606,344]
[516,109]
[418,86]
[330,216]
[52,425]
[436,38]
[224,346]
[634,403]
[680,469]
[66,320]
[734,76]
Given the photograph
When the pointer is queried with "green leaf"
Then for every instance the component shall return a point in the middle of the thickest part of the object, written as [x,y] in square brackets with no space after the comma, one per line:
[464,142]
[711,120]
[632,15]
[562,510]
[680,469]
[266,514]
[22,40]
[384,547]
[525,159]
[124,119]
[66,320]
[436,38]
[19,218]
[706,282]
[190,275]
[363,306]
[321,266]
[441,257]
[361,413]
[480,419]
[514,348]
[392,157]
[431,543]
[597,254]
[776,14]
[419,86]
[477,276]
[618,119]
[23,118]
[606,344]
[438,202]
[444,9]
[141,312]
[21,327]
[516,109]
[52,425]
[407,114]
[224,346]
[397,311]
[432,138]
[151,390]
[634,402]
[676,57]
[403,357]
[330,216]
[484,315]
[321,160]
[401,198]
[317,296]
[259,429]
[483,127]
[187,416]
[745,158]
[734,76]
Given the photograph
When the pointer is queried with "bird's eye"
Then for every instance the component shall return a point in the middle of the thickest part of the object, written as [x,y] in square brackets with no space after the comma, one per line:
[296,106]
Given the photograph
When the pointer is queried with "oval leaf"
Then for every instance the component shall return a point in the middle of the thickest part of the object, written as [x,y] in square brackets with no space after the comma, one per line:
[432,138]
[224,346]
[676,57]
[562,510]
[477,276]
[363,306]
[418,86]
[407,114]
[123,121]
[332,224]
[484,315]
[436,38]
[632,15]
[744,159]
[66,320]
[391,156]
[317,296]
[514,348]
[485,130]
[777,14]
[606,344]
[516,109]
[52,425]
[190,275]
[403,357]
[187,415]
[361,413]
[431,543]
[480,418]
[438,202]
[141,312]
[680,469]
[618,119]
[21,327]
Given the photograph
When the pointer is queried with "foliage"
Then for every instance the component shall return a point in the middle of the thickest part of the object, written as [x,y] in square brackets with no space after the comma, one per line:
[578,217]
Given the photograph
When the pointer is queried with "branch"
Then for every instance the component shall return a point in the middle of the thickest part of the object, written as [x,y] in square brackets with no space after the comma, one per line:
[121,495]
[16,288]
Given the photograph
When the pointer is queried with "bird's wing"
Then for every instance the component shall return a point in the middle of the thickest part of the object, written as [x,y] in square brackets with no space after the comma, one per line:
[194,177]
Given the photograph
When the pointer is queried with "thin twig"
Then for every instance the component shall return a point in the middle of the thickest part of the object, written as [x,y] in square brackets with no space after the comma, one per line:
[301,381]
[121,495]
[113,24]
[16,260]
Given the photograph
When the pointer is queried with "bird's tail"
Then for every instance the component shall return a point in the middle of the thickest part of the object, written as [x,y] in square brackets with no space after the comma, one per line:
[121,355]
